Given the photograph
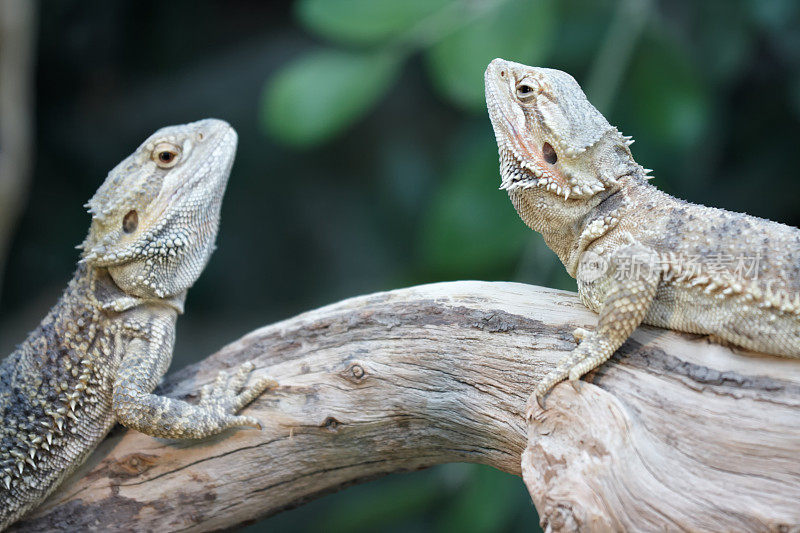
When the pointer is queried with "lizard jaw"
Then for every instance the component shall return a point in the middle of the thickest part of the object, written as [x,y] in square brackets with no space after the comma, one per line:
[517,173]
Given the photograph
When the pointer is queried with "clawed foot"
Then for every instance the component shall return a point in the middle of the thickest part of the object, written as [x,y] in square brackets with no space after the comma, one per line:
[224,396]
[547,383]
[577,363]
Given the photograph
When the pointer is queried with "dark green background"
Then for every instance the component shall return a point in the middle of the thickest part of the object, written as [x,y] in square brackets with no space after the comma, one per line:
[367,162]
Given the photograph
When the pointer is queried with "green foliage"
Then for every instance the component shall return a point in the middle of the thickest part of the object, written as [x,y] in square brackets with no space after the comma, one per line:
[364,21]
[489,503]
[470,229]
[399,500]
[449,498]
[521,31]
[669,99]
[457,37]
[323,92]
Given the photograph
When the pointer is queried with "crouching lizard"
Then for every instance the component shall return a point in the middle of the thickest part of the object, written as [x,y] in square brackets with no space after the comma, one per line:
[97,356]
[638,254]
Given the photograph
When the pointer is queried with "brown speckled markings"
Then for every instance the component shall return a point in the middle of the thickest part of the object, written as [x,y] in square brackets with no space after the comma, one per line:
[571,176]
[97,356]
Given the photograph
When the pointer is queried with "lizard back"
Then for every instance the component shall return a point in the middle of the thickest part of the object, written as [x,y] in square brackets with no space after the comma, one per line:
[55,399]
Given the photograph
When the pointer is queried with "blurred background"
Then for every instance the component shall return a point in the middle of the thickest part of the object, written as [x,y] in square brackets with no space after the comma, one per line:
[366,159]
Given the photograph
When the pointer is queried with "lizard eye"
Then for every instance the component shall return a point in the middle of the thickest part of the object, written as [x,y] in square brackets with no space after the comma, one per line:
[166,155]
[549,153]
[525,92]
[130,221]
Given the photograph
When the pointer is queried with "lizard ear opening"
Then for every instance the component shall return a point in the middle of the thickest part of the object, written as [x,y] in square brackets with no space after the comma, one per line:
[549,153]
[130,222]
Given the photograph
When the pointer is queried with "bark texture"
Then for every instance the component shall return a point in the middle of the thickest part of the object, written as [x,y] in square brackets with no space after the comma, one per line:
[672,433]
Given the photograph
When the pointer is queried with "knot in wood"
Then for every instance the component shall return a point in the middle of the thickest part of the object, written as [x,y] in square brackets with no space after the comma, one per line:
[331,424]
[132,465]
[355,372]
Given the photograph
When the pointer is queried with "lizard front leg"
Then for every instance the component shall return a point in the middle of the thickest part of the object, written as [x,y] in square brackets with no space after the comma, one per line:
[135,406]
[633,277]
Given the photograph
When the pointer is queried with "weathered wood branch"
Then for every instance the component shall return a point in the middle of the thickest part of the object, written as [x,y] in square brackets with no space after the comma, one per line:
[675,433]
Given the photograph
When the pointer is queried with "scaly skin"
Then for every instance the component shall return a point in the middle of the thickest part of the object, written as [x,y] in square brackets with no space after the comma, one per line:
[97,356]
[639,255]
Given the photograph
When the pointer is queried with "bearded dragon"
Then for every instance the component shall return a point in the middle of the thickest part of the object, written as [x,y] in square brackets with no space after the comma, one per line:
[97,356]
[639,255]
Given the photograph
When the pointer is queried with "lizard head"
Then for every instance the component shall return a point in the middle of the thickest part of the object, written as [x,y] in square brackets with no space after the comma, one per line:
[550,138]
[155,218]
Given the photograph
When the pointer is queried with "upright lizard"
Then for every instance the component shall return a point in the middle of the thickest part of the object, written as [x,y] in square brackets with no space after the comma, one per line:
[97,356]
[638,254]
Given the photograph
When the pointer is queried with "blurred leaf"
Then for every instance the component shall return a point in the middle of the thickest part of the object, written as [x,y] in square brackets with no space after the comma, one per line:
[517,30]
[539,265]
[490,502]
[397,501]
[364,21]
[582,26]
[471,229]
[727,40]
[775,15]
[778,19]
[319,95]
[670,101]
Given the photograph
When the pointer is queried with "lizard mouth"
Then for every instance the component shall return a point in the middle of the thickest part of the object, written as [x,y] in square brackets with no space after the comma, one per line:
[517,173]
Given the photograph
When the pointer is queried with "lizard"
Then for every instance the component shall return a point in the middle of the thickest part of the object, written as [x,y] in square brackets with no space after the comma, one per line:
[638,254]
[97,356]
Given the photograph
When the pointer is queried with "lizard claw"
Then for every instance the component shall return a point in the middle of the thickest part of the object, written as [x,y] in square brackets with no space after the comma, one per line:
[540,400]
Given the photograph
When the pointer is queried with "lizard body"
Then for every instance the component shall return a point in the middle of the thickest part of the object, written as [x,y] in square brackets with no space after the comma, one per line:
[638,254]
[102,349]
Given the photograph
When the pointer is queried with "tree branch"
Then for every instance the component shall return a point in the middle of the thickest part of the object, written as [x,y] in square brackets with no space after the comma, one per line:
[675,433]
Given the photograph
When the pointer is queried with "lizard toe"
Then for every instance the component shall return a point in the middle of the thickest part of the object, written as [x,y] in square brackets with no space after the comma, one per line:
[580,333]
[240,377]
[244,421]
[254,391]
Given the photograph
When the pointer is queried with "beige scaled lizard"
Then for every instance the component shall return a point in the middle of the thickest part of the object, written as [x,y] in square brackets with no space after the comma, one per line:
[638,254]
[98,355]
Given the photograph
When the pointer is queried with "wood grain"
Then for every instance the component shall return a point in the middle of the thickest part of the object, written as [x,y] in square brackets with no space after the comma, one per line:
[673,433]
